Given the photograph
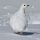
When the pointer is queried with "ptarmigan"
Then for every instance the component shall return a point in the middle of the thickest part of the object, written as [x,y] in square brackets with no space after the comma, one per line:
[18,20]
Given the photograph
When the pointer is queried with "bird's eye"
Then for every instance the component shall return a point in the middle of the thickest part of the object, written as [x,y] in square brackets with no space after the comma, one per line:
[24,5]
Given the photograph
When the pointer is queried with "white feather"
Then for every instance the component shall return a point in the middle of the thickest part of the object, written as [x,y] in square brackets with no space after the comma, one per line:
[18,20]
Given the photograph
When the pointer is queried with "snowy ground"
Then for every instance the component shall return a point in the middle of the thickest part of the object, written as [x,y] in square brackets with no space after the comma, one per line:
[8,8]
[6,33]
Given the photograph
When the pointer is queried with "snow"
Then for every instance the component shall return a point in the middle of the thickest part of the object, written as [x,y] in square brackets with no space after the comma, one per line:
[6,32]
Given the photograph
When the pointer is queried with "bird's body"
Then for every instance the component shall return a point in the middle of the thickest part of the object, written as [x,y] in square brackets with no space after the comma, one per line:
[18,21]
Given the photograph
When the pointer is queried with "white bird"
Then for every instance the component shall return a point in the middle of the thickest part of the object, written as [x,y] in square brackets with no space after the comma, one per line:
[18,20]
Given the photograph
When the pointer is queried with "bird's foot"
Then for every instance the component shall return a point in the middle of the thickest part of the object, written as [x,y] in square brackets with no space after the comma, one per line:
[20,33]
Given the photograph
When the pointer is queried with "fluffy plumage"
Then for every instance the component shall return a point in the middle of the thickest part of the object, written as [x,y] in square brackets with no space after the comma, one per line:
[18,20]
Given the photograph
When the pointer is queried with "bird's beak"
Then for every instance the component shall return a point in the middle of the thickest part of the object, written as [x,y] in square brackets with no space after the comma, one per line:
[28,5]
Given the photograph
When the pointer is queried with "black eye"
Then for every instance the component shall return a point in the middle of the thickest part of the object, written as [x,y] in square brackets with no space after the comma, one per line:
[24,5]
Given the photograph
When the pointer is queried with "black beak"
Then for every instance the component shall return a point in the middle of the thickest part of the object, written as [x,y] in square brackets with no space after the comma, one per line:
[28,5]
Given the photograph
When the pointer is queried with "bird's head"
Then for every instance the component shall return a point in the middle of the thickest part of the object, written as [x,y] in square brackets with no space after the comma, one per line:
[23,6]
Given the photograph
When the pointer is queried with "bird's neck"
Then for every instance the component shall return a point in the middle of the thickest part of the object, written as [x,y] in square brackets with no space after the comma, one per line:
[22,10]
